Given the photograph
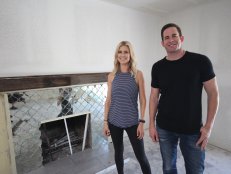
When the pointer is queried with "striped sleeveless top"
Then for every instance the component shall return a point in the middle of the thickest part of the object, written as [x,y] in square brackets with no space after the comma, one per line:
[123,110]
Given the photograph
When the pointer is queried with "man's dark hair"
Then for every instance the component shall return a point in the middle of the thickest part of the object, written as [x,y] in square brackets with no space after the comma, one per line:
[168,26]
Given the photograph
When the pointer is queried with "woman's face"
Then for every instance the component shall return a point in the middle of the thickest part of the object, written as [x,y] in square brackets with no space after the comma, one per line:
[123,55]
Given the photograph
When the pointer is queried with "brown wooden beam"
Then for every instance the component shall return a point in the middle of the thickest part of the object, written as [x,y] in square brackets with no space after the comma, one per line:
[47,81]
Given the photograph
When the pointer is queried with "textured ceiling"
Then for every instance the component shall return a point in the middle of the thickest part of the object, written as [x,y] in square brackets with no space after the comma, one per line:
[159,7]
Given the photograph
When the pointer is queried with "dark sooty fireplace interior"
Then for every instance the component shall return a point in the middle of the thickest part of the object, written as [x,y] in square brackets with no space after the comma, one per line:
[64,136]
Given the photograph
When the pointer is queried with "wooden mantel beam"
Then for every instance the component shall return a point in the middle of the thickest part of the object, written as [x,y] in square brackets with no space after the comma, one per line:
[47,81]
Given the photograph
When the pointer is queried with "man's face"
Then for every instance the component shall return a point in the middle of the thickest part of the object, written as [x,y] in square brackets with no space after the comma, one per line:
[171,40]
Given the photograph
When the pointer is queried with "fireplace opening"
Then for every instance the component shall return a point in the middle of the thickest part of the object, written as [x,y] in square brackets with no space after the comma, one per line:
[64,136]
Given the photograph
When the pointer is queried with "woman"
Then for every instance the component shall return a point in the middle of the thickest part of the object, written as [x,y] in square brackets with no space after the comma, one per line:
[125,82]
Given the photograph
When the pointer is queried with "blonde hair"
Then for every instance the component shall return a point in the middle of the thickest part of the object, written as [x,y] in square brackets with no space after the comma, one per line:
[132,62]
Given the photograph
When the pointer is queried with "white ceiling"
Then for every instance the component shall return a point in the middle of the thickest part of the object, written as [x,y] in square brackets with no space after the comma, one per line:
[159,7]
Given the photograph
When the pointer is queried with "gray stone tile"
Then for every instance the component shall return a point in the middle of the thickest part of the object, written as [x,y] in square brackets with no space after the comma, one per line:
[91,161]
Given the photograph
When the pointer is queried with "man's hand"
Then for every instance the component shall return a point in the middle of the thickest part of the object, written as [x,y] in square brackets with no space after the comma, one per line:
[153,134]
[203,140]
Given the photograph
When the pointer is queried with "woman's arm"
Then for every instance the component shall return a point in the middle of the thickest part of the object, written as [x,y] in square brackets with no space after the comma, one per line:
[142,96]
[142,99]
[107,105]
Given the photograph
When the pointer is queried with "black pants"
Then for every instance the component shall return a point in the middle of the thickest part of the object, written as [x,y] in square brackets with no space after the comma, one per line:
[137,145]
[67,108]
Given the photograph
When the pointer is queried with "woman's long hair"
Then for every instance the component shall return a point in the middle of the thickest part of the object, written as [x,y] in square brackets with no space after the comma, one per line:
[132,62]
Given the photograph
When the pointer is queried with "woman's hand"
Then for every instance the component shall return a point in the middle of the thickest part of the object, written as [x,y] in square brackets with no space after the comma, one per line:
[106,130]
[140,131]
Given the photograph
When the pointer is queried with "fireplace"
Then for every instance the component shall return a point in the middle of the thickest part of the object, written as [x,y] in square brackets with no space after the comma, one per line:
[65,135]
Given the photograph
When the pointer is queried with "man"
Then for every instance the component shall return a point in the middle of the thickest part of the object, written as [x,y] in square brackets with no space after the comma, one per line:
[175,103]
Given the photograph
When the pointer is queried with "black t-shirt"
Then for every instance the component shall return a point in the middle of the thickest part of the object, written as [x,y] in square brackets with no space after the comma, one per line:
[180,83]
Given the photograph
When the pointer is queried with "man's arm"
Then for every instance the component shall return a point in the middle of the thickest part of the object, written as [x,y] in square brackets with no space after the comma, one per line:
[153,103]
[211,89]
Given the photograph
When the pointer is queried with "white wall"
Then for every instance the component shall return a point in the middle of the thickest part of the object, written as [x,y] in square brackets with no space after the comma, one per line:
[207,31]
[68,36]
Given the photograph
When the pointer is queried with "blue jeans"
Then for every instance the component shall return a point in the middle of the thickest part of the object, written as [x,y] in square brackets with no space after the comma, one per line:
[193,156]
